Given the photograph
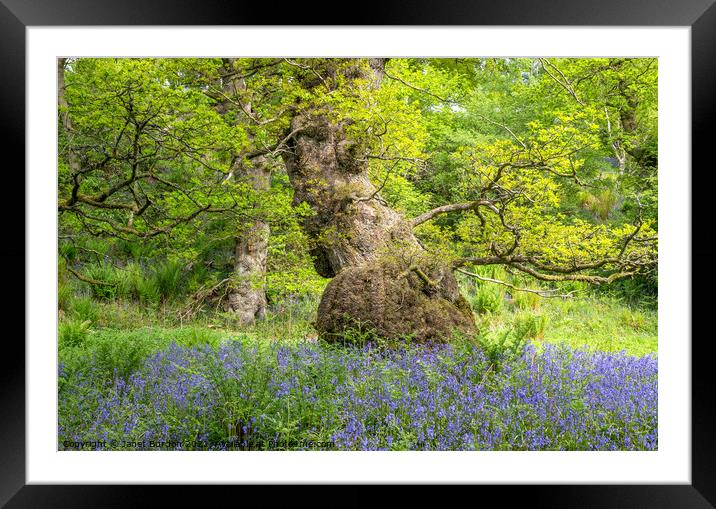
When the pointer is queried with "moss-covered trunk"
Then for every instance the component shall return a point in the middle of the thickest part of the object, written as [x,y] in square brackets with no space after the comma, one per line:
[247,296]
[247,292]
[383,280]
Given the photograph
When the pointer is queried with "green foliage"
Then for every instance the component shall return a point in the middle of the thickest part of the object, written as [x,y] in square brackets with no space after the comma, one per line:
[84,309]
[114,282]
[502,347]
[527,300]
[67,251]
[119,355]
[591,317]
[160,283]
[641,290]
[594,323]
[288,286]
[564,165]
[134,250]
[487,299]
[530,326]
[65,290]
[634,319]
[120,352]
[141,136]
[145,289]
[291,276]
[601,205]
[64,296]
[73,333]
[168,277]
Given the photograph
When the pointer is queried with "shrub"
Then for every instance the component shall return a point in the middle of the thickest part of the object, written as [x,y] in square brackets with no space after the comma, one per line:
[84,309]
[129,275]
[121,352]
[488,298]
[132,249]
[527,300]
[633,319]
[167,278]
[113,282]
[641,290]
[131,282]
[359,334]
[198,276]
[120,355]
[146,290]
[530,326]
[295,284]
[64,286]
[195,336]
[601,204]
[73,333]
[68,251]
[502,347]
[64,296]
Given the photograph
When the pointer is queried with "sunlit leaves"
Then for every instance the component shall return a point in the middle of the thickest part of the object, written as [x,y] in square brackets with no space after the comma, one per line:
[565,149]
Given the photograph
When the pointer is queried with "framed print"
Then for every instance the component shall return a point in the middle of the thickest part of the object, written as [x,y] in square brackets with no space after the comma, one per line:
[406,184]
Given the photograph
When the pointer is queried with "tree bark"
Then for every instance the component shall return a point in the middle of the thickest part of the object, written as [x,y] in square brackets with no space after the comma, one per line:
[247,293]
[64,114]
[385,283]
[247,297]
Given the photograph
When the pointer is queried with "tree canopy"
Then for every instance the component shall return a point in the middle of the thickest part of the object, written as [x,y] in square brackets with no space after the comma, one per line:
[545,166]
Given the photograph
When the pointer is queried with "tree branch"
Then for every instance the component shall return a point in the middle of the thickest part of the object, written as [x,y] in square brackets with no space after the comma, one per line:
[86,279]
[472,205]
[417,89]
[565,84]
[569,276]
[542,293]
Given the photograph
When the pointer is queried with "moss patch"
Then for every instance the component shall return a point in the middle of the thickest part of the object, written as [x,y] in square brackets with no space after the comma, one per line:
[391,303]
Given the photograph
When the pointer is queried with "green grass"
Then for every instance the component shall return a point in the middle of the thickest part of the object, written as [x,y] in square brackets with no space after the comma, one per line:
[588,318]
[599,323]
[121,334]
[153,300]
[142,314]
[122,351]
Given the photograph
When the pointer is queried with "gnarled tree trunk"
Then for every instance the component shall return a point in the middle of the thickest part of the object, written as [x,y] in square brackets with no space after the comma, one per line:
[247,292]
[384,283]
[247,296]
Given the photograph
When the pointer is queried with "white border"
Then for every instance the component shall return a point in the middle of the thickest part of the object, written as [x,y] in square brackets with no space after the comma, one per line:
[670,464]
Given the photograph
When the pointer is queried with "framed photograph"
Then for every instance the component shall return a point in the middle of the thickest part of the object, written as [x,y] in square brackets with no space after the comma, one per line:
[422,251]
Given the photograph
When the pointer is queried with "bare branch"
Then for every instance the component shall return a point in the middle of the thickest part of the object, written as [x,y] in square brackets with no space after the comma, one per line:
[472,205]
[549,293]
[569,276]
[503,126]
[565,84]
[417,89]
[86,279]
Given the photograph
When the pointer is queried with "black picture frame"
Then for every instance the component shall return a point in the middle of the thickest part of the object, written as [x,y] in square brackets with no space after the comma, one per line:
[700,15]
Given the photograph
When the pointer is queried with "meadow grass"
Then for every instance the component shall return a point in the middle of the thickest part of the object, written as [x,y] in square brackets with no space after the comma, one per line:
[602,324]
[585,319]
[564,374]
